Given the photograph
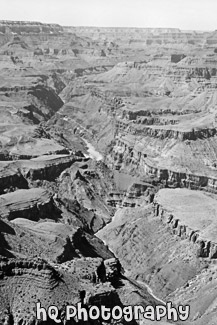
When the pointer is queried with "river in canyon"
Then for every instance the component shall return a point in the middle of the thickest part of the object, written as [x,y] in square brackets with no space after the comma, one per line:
[122,181]
[92,152]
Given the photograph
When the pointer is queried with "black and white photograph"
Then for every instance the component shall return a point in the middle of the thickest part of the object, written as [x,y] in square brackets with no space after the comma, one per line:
[108,162]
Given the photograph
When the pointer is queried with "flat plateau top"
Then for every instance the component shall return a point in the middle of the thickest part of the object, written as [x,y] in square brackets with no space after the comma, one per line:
[22,199]
[39,147]
[50,157]
[196,210]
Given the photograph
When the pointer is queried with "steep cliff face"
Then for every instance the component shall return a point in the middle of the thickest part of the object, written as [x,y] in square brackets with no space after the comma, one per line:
[47,167]
[11,178]
[31,204]
[84,190]
[185,212]
[16,174]
[136,194]
[27,102]
[171,245]
[188,164]
[149,251]
[191,215]
[33,103]
[160,253]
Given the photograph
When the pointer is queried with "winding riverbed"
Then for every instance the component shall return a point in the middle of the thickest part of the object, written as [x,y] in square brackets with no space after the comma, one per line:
[92,152]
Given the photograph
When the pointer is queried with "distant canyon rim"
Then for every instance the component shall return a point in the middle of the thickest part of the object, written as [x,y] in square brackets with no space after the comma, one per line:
[108,170]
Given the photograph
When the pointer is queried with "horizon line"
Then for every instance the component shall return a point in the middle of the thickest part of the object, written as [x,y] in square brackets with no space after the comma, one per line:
[98,26]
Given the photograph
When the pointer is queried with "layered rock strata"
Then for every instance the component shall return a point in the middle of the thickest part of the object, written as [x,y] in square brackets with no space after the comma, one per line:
[190,215]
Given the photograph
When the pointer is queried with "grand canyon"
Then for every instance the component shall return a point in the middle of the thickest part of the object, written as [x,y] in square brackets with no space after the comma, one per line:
[108,170]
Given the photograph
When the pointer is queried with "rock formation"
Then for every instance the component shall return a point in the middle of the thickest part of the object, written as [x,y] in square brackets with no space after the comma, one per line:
[108,169]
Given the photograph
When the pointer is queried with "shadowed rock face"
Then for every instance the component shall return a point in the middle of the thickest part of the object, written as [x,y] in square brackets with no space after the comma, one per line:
[32,203]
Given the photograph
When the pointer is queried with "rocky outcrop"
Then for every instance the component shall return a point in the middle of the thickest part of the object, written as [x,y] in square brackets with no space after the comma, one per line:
[88,245]
[146,124]
[31,204]
[89,268]
[175,58]
[11,178]
[16,267]
[84,191]
[47,167]
[41,101]
[16,174]
[138,192]
[112,269]
[164,133]
[126,155]
[48,96]
[115,199]
[191,223]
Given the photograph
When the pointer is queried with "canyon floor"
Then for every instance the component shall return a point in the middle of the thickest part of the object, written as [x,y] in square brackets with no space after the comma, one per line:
[108,170]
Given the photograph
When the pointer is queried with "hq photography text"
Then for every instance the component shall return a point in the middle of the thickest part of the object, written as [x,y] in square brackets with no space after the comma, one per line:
[128,313]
